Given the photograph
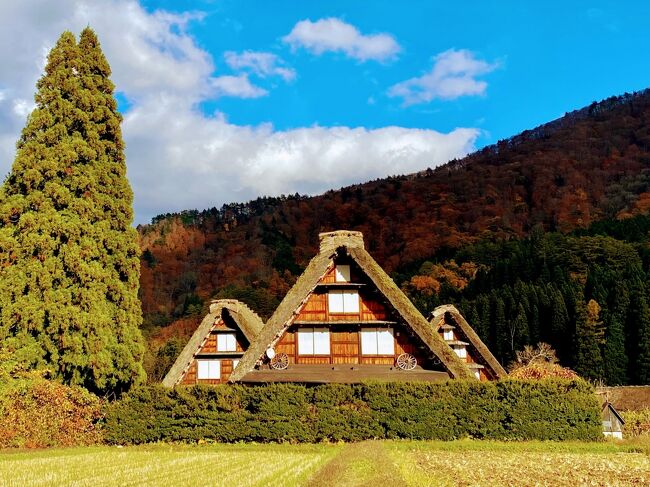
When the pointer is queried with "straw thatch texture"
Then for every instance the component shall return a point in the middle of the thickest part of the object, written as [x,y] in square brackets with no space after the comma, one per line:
[246,319]
[627,398]
[283,314]
[437,320]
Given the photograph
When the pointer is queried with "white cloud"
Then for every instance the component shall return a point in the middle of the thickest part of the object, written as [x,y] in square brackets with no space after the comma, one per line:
[177,156]
[237,86]
[208,161]
[23,108]
[453,75]
[333,34]
[263,64]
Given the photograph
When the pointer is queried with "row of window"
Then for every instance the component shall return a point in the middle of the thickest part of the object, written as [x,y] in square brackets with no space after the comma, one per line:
[374,341]
[211,369]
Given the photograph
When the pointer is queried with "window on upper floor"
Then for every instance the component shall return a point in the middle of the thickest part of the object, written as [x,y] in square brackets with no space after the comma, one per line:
[460,350]
[343,301]
[226,342]
[342,273]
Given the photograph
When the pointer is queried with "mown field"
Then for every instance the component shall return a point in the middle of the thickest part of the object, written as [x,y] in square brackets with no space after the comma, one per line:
[381,463]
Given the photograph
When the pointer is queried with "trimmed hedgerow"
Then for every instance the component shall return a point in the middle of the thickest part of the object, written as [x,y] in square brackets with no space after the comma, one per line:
[551,409]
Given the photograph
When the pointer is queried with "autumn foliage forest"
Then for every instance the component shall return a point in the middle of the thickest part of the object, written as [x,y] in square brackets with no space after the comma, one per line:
[541,237]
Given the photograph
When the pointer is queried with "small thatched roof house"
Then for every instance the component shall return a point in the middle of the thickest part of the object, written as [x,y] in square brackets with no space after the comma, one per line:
[612,421]
[463,340]
[217,345]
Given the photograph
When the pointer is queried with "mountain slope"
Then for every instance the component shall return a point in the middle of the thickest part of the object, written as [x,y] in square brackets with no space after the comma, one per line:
[591,164]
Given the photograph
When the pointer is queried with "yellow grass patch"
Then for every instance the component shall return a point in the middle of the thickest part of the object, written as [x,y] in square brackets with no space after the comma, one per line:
[371,463]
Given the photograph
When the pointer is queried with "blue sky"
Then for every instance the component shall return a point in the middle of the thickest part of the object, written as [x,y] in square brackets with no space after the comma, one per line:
[553,57]
[226,101]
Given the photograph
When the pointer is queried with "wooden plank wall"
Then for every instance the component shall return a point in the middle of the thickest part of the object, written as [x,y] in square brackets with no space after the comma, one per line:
[370,309]
[345,347]
[190,376]
[315,309]
[345,338]
[210,346]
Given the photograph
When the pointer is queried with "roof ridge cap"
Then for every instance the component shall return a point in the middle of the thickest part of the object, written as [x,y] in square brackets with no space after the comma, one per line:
[340,238]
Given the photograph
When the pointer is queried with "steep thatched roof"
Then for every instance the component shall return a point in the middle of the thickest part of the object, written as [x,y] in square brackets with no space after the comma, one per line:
[246,320]
[351,243]
[627,398]
[437,319]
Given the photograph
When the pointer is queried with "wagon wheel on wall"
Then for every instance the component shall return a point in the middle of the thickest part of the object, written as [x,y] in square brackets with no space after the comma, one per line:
[406,361]
[280,361]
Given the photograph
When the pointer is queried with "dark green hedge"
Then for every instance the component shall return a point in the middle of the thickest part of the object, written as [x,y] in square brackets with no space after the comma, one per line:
[507,410]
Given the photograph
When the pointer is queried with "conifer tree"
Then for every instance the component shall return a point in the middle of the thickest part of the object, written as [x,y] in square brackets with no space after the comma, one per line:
[559,335]
[70,270]
[499,330]
[519,330]
[614,354]
[589,360]
[641,317]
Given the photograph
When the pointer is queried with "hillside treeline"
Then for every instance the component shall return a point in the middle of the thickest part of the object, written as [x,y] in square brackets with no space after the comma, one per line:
[589,166]
[585,293]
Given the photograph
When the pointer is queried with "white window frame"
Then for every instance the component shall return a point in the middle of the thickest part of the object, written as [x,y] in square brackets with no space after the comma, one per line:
[226,342]
[460,350]
[448,334]
[342,273]
[234,363]
[377,341]
[208,369]
[313,341]
[343,301]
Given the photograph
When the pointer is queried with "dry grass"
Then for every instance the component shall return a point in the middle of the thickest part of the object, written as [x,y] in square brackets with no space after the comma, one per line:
[372,463]
[522,464]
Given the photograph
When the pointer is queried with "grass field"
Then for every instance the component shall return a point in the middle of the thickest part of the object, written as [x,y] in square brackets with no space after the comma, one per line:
[380,463]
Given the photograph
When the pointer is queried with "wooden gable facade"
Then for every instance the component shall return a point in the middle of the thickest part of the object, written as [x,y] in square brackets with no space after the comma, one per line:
[466,344]
[218,354]
[217,345]
[346,321]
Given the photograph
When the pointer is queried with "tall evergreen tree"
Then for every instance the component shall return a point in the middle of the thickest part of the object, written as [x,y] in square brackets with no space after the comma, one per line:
[641,318]
[615,356]
[499,332]
[69,280]
[519,330]
[559,336]
[589,360]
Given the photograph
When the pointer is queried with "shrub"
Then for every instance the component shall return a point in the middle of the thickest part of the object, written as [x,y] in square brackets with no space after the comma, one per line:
[536,371]
[637,423]
[37,413]
[511,409]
